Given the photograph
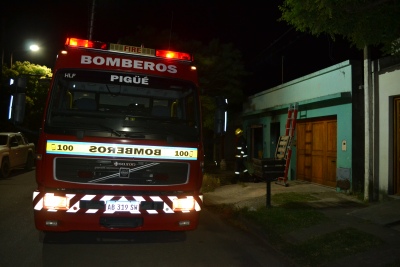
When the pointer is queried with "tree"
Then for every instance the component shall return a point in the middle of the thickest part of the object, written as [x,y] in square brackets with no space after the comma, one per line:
[36,90]
[362,22]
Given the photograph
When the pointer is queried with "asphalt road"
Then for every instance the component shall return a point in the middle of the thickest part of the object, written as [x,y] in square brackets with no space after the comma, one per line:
[214,243]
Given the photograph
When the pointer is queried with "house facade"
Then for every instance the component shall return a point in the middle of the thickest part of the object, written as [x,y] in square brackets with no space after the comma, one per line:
[329,143]
[386,84]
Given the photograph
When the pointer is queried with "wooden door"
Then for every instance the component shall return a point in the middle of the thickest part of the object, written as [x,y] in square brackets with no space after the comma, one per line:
[316,151]
[331,153]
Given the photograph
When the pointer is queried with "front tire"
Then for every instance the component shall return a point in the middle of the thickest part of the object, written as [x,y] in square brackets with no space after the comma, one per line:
[5,168]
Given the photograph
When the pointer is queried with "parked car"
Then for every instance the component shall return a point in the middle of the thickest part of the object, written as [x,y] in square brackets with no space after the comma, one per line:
[15,152]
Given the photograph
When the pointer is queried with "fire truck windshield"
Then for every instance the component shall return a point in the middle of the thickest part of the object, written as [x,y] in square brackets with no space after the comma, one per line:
[112,104]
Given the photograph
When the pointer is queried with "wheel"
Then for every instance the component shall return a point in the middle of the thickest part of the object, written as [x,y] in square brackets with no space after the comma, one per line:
[29,162]
[5,168]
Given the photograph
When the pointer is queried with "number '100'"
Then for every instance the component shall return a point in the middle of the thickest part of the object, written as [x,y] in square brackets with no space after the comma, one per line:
[65,147]
[183,153]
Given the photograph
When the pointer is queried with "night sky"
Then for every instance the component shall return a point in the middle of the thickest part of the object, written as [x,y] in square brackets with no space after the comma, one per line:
[272,50]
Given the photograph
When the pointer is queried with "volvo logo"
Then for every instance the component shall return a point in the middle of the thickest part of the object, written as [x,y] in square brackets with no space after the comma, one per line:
[124,172]
[124,164]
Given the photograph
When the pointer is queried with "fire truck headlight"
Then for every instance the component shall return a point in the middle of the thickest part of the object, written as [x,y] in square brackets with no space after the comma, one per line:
[183,204]
[50,201]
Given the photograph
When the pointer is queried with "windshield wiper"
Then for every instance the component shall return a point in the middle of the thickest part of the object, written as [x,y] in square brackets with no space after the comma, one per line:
[111,130]
[135,135]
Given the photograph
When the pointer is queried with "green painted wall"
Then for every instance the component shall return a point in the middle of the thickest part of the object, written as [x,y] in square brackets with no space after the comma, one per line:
[325,93]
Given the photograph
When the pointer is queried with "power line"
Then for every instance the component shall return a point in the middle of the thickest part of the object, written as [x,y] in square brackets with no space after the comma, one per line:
[272,44]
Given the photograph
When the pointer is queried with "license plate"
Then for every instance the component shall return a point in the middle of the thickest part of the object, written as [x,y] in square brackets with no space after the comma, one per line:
[115,205]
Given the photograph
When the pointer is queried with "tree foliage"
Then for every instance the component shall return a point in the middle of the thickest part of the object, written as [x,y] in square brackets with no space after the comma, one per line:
[38,81]
[361,22]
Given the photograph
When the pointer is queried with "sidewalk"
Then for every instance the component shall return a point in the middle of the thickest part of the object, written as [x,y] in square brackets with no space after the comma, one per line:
[380,219]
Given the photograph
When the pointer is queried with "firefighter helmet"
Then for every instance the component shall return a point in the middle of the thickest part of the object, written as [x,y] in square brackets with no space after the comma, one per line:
[238,131]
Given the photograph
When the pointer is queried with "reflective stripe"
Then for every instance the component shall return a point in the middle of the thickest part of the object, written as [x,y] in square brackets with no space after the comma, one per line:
[105,198]
[197,206]
[39,204]
[152,212]
[75,207]
[88,197]
[139,198]
[155,199]
[91,211]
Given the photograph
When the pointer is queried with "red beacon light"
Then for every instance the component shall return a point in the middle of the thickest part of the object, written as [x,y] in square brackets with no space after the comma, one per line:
[75,42]
[173,55]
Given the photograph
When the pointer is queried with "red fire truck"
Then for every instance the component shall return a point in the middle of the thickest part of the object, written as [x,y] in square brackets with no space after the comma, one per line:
[120,148]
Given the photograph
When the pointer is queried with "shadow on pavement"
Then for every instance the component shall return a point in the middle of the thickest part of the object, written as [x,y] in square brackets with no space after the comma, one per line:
[113,237]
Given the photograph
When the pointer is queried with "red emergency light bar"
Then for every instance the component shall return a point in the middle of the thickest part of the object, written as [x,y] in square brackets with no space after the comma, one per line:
[172,54]
[75,42]
[85,43]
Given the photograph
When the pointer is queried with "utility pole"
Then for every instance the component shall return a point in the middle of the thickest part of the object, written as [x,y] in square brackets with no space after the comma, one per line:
[369,140]
[282,68]
[90,30]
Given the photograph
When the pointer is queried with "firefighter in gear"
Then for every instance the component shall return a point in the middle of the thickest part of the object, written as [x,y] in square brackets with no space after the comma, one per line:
[241,172]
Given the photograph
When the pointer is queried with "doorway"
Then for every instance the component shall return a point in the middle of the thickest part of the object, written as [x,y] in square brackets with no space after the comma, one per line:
[256,149]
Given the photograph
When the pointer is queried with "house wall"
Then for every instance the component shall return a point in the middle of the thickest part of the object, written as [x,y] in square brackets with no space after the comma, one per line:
[388,86]
[327,92]
[324,84]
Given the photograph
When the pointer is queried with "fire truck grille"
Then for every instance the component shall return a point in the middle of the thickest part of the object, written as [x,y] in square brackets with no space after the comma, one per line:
[120,172]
